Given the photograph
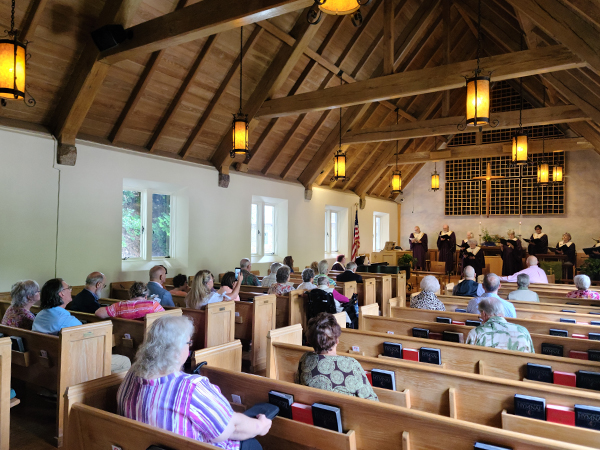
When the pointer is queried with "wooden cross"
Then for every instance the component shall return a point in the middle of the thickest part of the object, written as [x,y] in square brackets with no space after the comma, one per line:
[488,188]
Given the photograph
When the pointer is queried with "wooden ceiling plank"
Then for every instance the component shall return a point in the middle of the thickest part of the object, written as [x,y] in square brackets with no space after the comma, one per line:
[466,18]
[31,20]
[590,9]
[196,21]
[183,89]
[388,37]
[277,153]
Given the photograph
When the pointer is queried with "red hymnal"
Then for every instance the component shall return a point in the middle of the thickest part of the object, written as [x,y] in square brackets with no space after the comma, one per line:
[578,355]
[303,413]
[560,414]
[370,377]
[456,322]
[436,336]
[410,353]
[579,336]
[565,379]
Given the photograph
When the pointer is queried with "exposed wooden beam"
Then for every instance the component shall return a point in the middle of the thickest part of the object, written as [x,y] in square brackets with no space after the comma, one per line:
[590,9]
[183,89]
[576,92]
[277,152]
[31,20]
[388,37]
[448,125]
[433,79]
[446,40]
[196,21]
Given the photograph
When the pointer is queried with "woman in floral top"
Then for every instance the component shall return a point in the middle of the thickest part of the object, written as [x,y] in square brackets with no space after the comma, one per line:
[281,286]
[426,299]
[23,294]
[582,282]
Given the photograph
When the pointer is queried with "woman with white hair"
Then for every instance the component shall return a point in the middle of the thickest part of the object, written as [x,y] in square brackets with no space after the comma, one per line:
[307,280]
[583,283]
[323,269]
[426,299]
[473,256]
[23,295]
[567,247]
[156,392]
[512,261]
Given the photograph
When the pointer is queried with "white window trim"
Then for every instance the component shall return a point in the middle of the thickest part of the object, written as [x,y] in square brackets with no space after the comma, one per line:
[260,227]
[384,230]
[280,230]
[342,231]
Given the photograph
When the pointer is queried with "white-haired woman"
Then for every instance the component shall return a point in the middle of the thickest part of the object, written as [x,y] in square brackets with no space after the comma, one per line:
[23,295]
[426,299]
[473,256]
[157,393]
[583,283]
[567,247]
[202,292]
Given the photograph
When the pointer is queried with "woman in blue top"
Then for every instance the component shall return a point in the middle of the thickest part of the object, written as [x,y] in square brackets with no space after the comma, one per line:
[54,298]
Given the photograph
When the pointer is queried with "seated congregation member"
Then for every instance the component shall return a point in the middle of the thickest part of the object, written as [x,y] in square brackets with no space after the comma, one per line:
[289,261]
[339,264]
[282,279]
[202,292]
[137,307]
[323,271]
[180,285]
[567,247]
[307,280]
[511,255]
[271,278]
[523,293]
[541,247]
[536,275]
[53,317]
[248,279]
[338,298]
[156,392]
[158,276]
[228,282]
[324,369]
[473,256]
[87,300]
[582,283]
[496,332]
[315,267]
[491,284]
[23,295]
[468,287]
[426,299]
[350,274]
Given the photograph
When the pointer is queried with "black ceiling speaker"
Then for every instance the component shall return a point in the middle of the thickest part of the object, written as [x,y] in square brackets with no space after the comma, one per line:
[109,36]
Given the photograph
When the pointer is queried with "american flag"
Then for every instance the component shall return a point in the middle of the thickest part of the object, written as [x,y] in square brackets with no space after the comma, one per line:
[356,241]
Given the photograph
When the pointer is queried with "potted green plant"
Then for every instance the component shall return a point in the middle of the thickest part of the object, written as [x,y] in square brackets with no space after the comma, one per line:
[591,267]
[405,262]
[488,239]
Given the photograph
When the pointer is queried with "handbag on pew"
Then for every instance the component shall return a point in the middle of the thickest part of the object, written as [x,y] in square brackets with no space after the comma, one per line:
[268,409]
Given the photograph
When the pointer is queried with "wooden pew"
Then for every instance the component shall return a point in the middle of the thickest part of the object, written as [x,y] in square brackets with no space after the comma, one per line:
[5,361]
[226,356]
[78,354]
[214,325]
[120,289]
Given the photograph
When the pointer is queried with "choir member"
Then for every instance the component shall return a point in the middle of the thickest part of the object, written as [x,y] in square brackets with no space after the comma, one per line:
[470,235]
[418,245]
[464,246]
[567,247]
[446,245]
[511,255]
[542,247]
[474,257]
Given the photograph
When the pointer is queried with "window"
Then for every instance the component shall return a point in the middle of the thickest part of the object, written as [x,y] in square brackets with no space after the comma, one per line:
[331,231]
[254,230]
[377,233]
[263,229]
[381,230]
[161,225]
[131,239]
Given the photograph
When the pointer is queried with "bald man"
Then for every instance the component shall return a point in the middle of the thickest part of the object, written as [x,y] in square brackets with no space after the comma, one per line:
[536,275]
[446,245]
[87,300]
[158,276]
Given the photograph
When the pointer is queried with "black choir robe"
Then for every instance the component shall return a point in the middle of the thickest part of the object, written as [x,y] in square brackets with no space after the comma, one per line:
[447,249]
[419,250]
[569,250]
[512,261]
[541,249]
[474,257]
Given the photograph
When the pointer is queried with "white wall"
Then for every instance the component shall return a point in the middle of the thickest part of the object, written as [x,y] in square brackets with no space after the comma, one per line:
[426,208]
[89,218]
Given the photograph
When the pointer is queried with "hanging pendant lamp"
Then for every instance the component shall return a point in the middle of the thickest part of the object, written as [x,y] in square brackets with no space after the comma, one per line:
[339,160]
[240,120]
[435,176]
[520,138]
[397,174]
[543,172]
[338,8]
[557,174]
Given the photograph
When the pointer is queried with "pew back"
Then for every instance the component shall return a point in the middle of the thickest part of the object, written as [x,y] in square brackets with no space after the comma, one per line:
[5,360]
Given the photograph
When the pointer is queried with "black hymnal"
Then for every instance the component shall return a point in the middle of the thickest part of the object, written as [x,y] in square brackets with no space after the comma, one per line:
[430,355]
[552,349]
[594,355]
[588,380]
[563,320]
[385,379]
[444,237]
[473,323]
[591,251]
[538,372]
[460,310]
[268,409]
[326,416]
[17,344]
[453,336]
[443,319]
[283,402]
[482,446]
[420,333]
[594,336]
[568,310]
[392,349]
[587,417]
[557,332]
[572,303]
[533,241]
[532,407]
[595,322]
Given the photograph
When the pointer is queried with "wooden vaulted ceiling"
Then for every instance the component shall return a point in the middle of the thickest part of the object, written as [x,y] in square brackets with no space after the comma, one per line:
[174,93]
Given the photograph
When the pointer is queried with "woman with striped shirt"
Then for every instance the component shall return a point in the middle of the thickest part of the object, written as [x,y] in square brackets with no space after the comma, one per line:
[157,393]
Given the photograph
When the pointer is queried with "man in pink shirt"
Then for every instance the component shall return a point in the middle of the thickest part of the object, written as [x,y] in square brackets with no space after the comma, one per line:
[536,275]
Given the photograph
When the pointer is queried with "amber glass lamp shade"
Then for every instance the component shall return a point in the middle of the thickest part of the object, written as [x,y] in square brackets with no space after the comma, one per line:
[435,181]
[519,148]
[478,101]
[557,174]
[339,7]
[543,173]
[240,135]
[12,69]
[396,182]
[339,165]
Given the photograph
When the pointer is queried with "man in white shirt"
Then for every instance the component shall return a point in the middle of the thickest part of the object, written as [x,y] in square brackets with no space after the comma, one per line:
[536,275]
[270,279]
[523,293]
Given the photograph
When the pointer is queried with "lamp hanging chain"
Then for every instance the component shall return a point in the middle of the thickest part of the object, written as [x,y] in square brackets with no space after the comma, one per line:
[241,62]
[543,131]
[521,93]
[341,83]
[397,114]
[12,19]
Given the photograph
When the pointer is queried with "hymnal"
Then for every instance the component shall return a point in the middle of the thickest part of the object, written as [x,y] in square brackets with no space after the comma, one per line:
[370,377]
[587,417]
[538,372]
[565,379]
[563,320]
[557,332]
[473,323]
[17,344]
[410,354]
[578,355]
[457,322]
[572,303]
[568,310]
[268,409]
[392,349]
[594,355]
[435,336]
[463,245]
[596,313]
[444,237]
[579,336]
[532,407]
[591,251]
[453,336]
[283,401]
[588,380]
[560,414]
[462,310]
[482,446]
[443,319]
[430,355]
[594,336]
[420,333]
[533,241]
[326,416]
[552,349]
[302,413]
[385,379]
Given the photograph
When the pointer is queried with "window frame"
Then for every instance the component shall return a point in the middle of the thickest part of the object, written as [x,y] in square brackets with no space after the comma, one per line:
[260,228]
[329,250]
[376,233]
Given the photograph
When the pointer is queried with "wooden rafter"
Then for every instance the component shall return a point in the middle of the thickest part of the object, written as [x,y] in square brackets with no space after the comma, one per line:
[31,20]
[388,37]
[446,41]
